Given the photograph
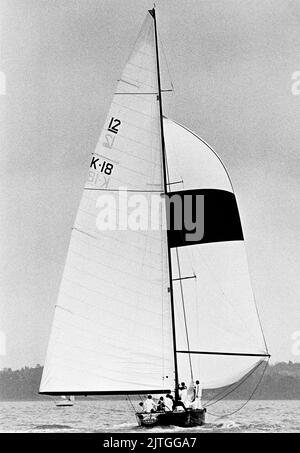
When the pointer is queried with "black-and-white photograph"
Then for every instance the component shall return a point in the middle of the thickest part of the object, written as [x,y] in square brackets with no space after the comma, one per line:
[149,232]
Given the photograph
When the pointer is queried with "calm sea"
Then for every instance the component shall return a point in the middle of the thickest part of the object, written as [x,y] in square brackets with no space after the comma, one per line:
[118,416]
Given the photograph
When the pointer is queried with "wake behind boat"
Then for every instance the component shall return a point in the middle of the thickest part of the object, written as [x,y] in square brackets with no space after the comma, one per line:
[140,308]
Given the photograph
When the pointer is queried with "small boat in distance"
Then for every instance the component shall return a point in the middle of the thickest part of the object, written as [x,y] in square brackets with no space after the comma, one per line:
[65,401]
[142,309]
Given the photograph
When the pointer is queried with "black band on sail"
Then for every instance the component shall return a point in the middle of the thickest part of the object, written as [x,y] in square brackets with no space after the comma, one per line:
[202,216]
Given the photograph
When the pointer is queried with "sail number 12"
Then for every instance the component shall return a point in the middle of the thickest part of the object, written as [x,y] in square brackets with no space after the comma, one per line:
[113,127]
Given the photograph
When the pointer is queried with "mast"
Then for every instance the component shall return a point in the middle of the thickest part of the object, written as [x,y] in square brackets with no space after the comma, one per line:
[152,12]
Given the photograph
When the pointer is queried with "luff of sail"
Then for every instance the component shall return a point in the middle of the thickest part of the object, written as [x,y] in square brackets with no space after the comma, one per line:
[212,289]
[112,330]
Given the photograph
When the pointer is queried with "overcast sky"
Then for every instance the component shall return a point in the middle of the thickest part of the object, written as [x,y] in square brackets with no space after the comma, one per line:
[231,63]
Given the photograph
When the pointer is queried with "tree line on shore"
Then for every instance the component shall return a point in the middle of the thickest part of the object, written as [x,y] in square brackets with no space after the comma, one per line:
[280,381]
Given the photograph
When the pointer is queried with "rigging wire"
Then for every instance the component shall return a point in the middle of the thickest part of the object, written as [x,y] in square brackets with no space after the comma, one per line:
[239,384]
[184,315]
[180,280]
[257,312]
[166,62]
[128,399]
[170,100]
[233,387]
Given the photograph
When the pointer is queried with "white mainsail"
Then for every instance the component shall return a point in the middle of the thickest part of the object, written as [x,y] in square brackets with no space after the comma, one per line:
[220,310]
[112,329]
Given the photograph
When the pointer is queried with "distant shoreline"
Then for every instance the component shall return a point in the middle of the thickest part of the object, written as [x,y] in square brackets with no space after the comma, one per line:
[281,382]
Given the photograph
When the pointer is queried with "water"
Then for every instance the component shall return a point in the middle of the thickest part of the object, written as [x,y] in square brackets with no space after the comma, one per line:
[117,416]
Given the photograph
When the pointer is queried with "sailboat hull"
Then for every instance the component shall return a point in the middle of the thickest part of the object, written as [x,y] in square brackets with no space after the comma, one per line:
[190,418]
[64,403]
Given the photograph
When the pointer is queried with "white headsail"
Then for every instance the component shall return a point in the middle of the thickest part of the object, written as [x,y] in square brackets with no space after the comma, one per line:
[112,330]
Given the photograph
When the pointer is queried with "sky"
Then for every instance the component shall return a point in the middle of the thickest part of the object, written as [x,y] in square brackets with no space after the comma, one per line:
[232,65]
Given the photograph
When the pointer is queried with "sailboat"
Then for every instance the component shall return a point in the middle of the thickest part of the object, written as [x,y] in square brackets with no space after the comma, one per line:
[65,401]
[140,310]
